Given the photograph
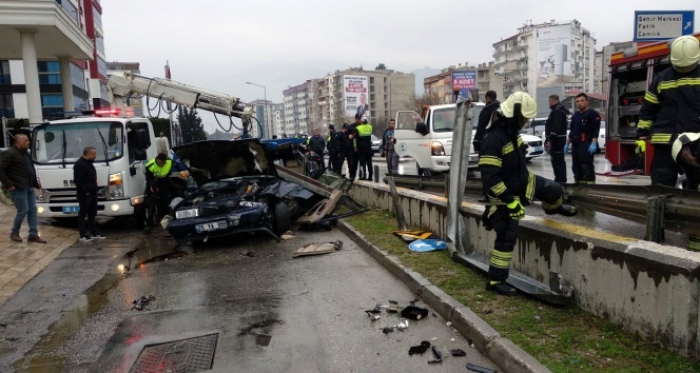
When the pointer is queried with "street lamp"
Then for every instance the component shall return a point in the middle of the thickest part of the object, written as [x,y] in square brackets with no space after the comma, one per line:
[390,79]
[267,124]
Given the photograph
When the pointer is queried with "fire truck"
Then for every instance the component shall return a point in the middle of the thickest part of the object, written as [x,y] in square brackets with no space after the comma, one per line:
[631,72]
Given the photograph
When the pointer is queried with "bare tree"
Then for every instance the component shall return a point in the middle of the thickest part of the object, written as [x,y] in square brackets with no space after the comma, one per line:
[417,102]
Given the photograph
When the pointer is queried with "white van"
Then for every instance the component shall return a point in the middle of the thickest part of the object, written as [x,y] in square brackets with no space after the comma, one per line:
[432,150]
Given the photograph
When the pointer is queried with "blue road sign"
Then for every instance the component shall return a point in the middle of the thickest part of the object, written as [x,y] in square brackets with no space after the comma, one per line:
[653,25]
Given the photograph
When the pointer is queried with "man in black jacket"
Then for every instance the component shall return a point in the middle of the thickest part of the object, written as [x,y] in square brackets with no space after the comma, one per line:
[85,178]
[484,118]
[18,176]
[555,134]
[346,147]
[333,149]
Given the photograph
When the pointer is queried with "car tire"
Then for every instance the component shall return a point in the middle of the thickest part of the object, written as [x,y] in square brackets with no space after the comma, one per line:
[282,221]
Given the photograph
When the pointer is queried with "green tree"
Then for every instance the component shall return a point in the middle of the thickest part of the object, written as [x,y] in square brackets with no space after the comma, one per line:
[161,125]
[191,126]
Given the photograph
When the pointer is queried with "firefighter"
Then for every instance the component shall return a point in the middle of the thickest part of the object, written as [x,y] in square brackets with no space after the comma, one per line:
[509,186]
[671,106]
[686,153]
[583,138]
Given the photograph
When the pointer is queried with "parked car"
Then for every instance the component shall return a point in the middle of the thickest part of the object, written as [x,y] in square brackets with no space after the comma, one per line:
[376,144]
[239,191]
[534,144]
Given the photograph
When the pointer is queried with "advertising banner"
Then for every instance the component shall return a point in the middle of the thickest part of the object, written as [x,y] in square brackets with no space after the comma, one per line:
[356,90]
[463,81]
[553,55]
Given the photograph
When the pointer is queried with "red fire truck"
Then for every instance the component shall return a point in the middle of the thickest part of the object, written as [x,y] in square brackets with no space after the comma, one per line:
[631,72]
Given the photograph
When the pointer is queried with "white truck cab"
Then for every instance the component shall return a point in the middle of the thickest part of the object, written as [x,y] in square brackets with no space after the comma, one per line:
[122,145]
[429,141]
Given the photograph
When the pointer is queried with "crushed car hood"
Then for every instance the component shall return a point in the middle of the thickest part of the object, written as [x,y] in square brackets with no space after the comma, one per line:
[214,160]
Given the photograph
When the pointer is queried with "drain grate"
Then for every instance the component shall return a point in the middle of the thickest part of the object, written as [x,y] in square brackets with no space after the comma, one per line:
[183,356]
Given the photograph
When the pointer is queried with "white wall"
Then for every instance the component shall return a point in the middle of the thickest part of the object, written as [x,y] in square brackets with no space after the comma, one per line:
[20,102]
[16,71]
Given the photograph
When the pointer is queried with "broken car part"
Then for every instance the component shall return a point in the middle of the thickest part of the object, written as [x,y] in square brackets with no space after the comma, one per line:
[420,349]
[458,352]
[480,369]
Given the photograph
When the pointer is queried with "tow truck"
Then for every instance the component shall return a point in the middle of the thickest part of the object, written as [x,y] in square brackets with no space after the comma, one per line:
[122,143]
[631,72]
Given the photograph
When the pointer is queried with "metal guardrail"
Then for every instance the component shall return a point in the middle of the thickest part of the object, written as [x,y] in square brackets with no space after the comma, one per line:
[658,207]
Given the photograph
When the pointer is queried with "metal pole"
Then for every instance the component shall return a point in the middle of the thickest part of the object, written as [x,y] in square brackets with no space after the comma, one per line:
[397,204]
[656,207]
[267,123]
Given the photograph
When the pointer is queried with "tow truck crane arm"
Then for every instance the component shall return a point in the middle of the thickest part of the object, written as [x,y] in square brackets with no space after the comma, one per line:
[124,85]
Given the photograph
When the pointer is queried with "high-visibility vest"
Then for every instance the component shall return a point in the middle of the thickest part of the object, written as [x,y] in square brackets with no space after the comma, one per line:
[159,171]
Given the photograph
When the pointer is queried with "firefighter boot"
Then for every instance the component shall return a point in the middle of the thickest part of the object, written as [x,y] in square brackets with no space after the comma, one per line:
[500,287]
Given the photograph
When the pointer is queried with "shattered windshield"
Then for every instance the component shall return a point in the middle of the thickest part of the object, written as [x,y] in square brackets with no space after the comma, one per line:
[58,143]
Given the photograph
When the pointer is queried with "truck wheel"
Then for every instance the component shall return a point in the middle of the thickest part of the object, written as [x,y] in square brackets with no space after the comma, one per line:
[423,171]
[281,214]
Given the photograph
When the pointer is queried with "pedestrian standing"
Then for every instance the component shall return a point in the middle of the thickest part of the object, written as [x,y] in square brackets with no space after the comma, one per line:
[555,135]
[346,147]
[364,149]
[583,137]
[671,106]
[388,150]
[18,176]
[353,158]
[333,145]
[509,186]
[492,104]
[85,178]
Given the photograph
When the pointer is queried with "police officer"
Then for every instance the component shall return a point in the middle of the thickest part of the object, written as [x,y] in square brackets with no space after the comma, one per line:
[353,158]
[492,105]
[333,149]
[583,139]
[555,132]
[345,147]
[671,106]
[158,171]
[509,186]
[364,149]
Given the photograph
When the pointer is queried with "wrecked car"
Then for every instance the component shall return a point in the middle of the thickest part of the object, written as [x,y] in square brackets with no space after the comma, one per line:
[239,192]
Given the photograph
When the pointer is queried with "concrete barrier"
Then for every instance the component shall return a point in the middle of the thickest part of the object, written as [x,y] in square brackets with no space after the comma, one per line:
[645,288]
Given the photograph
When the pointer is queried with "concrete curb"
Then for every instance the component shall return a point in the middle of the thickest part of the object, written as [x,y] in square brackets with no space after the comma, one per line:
[509,357]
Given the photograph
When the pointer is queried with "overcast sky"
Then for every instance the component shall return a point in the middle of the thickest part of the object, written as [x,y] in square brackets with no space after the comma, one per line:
[221,44]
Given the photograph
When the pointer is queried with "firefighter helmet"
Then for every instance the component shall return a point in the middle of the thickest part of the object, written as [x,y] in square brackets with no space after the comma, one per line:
[685,148]
[685,53]
[528,106]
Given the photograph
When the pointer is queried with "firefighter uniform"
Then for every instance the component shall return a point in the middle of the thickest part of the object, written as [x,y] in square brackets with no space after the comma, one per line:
[671,106]
[507,182]
[585,126]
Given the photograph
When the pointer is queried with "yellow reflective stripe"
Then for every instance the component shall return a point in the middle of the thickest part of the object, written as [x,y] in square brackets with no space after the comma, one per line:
[530,191]
[499,188]
[644,124]
[501,259]
[508,148]
[520,141]
[693,243]
[494,201]
[651,98]
[487,160]
[678,83]
[660,138]
[553,206]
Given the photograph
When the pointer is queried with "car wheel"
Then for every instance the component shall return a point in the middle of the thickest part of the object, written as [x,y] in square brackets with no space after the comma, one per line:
[281,214]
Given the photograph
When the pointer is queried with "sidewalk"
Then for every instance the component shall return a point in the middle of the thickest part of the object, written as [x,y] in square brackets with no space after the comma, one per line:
[21,261]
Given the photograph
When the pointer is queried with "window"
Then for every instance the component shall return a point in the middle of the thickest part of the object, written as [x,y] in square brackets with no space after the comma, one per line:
[52,105]
[49,72]
[71,11]
[79,103]
[77,76]
[100,43]
[53,147]
[5,72]
[7,108]
[101,67]
[98,17]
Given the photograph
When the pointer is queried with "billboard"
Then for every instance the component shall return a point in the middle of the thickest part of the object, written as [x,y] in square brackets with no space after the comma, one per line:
[553,55]
[463,81]
[654,25]
[356,91]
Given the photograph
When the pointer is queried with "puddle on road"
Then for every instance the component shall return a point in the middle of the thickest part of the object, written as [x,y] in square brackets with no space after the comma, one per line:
[48,353]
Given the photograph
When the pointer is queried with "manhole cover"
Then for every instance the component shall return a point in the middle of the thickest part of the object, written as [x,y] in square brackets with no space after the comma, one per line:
[182,356]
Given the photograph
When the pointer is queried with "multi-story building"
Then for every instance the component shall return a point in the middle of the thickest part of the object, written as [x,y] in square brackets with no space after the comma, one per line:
[44,54]
[135,105]
[277,113]
[262,113]
[295,109]
[547,58]
[602,84]
[441,85]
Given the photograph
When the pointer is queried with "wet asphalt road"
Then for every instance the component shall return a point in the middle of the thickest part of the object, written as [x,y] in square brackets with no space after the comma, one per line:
[272,313]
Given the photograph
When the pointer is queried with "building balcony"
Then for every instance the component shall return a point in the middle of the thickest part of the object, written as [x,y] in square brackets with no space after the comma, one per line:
[55,33]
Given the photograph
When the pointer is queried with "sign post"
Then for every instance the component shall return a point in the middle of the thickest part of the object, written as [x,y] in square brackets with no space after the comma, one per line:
[651,25]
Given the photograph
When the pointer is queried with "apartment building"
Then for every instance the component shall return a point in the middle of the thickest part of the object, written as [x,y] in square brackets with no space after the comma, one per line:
[442,85]
[295,109]
[134,106]
[547,58]
[52,59]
